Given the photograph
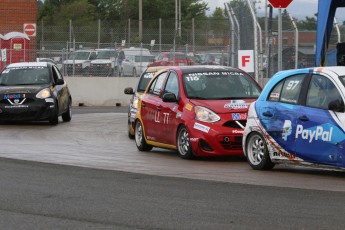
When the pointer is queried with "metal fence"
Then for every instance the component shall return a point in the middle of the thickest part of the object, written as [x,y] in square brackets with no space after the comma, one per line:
[194,36]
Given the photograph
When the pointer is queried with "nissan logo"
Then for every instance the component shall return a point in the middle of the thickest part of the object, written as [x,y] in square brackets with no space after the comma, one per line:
[226,139]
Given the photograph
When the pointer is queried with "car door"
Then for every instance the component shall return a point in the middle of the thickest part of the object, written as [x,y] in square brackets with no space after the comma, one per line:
[169,110]
[151,113]
[278,114]
[60,90]
[317,133]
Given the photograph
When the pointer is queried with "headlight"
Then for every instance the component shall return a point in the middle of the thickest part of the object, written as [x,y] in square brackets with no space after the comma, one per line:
[206,115]
[44,93]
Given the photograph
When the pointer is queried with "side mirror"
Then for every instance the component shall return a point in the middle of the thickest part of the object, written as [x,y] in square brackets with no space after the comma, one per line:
[169,97]
[336,106]
[60,82]
[129,90]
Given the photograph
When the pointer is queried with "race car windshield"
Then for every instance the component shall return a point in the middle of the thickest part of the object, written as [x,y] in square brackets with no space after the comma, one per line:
[222,85]
[144,81]
[25,76]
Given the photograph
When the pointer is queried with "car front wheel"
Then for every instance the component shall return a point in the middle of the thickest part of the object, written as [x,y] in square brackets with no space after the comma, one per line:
[184,147]
[67,116]
[140,138]
[257,152]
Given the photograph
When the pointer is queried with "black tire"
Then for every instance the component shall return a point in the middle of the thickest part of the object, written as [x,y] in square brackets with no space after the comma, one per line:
[67,116]
[140,137]
[257,152]
[184,146]
[130,136]
[54,119]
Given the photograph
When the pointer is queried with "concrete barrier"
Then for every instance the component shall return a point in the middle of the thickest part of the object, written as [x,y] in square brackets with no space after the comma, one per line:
[100,91]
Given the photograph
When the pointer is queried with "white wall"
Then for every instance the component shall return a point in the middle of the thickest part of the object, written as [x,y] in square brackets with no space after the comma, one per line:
[100,91]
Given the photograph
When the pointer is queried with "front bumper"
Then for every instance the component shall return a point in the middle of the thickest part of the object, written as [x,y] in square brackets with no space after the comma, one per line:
[215,139]
[37,110]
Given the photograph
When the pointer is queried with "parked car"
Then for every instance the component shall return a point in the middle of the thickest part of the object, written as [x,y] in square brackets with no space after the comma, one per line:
[34,91]
[196,110]
[135,64]
[80,60]
[215,59]
[172,59]
[131,51]
[137,92]
[298,119]
[104,64]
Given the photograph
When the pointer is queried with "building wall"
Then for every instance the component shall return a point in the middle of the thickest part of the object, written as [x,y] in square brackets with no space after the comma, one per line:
[14,13]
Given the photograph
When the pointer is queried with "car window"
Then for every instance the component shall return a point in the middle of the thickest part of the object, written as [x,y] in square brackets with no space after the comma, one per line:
[56,74]
[275,93]
[321,92]
[145,80]
[291,89]
[172,84]
[157,84]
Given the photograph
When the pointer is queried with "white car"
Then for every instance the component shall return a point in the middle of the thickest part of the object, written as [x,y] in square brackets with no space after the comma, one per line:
[79,60]
[133,65]
[104,64]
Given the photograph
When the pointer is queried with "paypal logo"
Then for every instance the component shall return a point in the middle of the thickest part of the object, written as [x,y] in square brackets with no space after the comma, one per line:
[286,129]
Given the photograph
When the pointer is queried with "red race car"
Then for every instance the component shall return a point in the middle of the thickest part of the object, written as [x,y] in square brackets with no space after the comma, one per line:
[172,59]
[197,110]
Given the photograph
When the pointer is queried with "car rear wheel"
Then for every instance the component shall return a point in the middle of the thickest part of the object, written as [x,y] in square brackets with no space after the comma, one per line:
[257,152]
[184,147]
[67,116]
[140,138]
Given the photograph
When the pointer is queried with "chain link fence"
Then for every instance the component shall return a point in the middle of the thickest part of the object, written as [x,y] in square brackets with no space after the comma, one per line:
[194,37]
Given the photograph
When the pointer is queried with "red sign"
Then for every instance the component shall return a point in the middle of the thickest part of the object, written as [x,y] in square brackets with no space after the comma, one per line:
[30,29]
[280,3]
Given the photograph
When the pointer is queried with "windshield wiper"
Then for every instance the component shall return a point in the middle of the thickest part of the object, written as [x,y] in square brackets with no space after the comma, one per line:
[196,97]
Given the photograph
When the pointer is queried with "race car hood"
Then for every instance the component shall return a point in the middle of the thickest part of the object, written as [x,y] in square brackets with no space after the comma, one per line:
[224,106]
[22,89]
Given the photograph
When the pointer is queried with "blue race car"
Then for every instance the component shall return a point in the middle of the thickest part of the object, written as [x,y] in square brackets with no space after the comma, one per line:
[298,118]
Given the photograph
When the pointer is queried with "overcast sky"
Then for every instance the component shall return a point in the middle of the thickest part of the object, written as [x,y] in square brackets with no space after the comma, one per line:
[298,8]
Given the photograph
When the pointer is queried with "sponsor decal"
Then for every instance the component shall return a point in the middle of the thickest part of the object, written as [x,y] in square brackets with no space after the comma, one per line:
[15,106]
[239,116]
[236,104]
[238,131]
[14,96]
[193,139]
[201,127]
[51,100]
[286,129]
[189,107]
[317,134]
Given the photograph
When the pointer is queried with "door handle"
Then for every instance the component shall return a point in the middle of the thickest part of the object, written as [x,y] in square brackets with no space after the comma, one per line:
[303,118]
[267,114]
[159,108]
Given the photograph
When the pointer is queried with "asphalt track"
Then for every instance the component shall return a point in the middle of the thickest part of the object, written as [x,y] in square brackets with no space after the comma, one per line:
[97,138]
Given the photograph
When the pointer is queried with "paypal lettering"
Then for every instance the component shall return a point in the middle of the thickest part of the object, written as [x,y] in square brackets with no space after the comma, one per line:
[318,134]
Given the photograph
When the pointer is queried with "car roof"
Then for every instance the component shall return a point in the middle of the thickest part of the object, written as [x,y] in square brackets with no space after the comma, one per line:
[24,64]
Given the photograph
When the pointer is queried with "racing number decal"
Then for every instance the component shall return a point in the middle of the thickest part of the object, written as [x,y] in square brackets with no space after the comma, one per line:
[292,85]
